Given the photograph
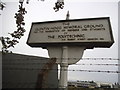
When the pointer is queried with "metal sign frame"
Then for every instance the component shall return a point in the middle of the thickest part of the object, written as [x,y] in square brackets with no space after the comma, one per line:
[89,44]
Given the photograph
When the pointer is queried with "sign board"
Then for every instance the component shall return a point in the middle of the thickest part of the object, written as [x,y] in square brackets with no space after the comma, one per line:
[92,32]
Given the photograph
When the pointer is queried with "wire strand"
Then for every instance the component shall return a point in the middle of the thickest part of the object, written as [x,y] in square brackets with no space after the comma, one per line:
[81,64]
[105,59]
[73,70]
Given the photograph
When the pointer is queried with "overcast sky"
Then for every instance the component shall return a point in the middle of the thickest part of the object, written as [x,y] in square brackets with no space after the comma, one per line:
[43,11]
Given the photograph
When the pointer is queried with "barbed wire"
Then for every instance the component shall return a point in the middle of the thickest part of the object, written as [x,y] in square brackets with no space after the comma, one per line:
[77,70]
[10,63]
[99,64]
[73,64]
[116,59]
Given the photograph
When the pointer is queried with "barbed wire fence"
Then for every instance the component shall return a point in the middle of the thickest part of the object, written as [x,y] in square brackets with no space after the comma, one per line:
[73,64]
[105,59]
[20,63]
[74,70]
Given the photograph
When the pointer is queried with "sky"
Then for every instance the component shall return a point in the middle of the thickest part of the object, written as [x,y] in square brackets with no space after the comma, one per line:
[39,11]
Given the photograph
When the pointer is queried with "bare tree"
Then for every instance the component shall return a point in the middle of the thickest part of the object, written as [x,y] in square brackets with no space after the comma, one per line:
[8,42]
[2,5]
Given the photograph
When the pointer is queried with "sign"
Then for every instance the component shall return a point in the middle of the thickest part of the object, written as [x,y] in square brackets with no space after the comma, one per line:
[92,32]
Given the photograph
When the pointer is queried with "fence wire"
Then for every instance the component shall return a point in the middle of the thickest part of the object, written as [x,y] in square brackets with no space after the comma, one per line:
[105,59]
[73,70]
[25,62]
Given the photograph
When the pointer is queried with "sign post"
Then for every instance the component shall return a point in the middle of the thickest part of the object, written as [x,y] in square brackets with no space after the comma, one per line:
[64,65]
[67,39]
[64,69]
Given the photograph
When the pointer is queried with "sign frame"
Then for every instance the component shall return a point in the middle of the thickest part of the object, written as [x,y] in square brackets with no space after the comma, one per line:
[86,44]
